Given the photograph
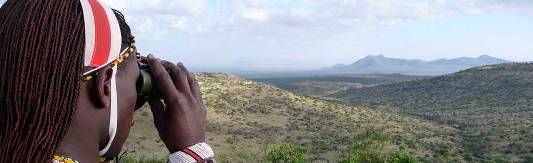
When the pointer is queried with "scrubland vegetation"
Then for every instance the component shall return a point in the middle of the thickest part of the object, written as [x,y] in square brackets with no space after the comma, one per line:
[492,106]
[254,122]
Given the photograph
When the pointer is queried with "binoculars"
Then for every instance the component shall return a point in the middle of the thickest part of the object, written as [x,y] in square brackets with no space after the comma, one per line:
[145,84]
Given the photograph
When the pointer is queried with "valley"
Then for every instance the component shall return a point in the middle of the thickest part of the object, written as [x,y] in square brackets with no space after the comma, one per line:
[491,106]
[326,85]
[246,119]
[482,114]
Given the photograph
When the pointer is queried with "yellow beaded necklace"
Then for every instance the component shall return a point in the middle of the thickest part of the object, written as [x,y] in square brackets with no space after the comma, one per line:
[62,159]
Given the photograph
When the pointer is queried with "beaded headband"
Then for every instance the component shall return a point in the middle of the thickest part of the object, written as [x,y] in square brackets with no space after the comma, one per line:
[125,54]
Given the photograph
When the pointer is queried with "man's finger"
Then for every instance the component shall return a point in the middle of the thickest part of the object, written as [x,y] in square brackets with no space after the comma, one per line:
[158,112]
[157,108]
[193,83]
[162,79]
[179,77]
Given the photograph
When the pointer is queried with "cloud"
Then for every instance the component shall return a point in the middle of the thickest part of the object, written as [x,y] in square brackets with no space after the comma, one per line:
[159,6]
[254,14]
[160,16]
[197,16]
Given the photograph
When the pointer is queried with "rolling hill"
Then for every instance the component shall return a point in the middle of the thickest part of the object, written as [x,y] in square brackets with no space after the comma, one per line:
[383,65]
[246,118]
[491,105]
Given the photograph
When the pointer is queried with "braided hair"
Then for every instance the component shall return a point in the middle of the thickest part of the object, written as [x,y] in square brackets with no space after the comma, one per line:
[41,62]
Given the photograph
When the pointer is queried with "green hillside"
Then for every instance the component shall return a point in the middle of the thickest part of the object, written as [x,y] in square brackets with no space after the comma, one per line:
[246,119]
[491,105]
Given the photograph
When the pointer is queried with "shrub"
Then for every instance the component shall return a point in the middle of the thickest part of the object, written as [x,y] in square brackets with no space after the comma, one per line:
[368,148]
[363,156]
[528,159]
[288,153]
[401,156]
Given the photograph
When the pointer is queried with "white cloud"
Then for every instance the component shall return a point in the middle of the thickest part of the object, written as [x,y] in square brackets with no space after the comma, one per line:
[179,23]
[254,14]
[155,6]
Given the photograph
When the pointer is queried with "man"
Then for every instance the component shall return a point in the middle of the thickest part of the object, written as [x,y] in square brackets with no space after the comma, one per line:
[68,73]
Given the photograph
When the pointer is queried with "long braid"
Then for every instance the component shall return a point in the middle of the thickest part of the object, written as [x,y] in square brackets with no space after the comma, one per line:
[41,60]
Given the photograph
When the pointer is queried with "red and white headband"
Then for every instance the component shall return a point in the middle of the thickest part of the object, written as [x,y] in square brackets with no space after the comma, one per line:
[103,41]
[103,38]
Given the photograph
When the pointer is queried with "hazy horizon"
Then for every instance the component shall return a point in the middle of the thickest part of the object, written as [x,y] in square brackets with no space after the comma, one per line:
[258,72]
[281,35]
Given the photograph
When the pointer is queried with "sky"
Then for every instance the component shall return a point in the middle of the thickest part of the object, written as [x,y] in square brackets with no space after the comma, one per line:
[279,35]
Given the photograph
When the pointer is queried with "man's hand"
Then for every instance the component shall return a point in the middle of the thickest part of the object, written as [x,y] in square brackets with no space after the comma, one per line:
[180,114]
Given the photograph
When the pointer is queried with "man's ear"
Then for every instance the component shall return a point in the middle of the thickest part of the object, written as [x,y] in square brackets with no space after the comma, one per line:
[102,87]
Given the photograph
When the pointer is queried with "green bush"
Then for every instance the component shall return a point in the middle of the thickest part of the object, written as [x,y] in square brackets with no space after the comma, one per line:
[368,148]
[376,156]
[363,156]
[501,160]
[401,156]
[288,153]
[527,159]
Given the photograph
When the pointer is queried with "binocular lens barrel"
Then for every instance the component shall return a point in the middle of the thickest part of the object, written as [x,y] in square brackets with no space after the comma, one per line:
[145,83]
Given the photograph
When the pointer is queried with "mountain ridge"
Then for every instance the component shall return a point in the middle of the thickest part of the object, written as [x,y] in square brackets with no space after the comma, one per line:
[379,64]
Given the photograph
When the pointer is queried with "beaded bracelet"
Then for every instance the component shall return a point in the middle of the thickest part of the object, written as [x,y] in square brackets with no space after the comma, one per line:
[192,154]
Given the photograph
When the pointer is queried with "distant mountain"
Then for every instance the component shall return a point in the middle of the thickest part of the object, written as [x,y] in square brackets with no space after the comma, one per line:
[383,65]
[492,105]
